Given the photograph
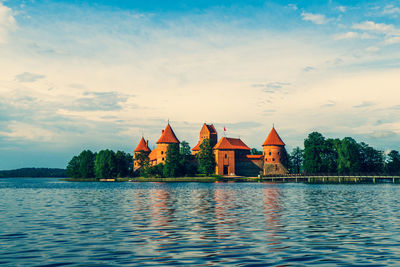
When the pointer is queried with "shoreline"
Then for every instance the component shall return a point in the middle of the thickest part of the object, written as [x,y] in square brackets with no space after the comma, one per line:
[278,179]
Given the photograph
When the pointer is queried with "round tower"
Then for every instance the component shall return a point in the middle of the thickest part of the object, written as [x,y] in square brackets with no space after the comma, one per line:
[273,154]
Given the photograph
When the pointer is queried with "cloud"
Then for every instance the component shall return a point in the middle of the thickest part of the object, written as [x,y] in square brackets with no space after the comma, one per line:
[292,6]
[383,134]
[7,22]
[353,35]
[315,18]
[329,104]
[342,8]
[308,69]
[271,87]
[390,9]
[28,77]
[364,104]
[392,40]
[372,49]
[94,101]
[376,27]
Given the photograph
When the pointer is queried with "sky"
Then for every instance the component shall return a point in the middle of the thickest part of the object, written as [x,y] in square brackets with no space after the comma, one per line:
[93,75]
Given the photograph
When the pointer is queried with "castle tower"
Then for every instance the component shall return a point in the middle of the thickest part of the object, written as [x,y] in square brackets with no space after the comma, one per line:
[159,154]
[143,147]
[207,132]
[274,154]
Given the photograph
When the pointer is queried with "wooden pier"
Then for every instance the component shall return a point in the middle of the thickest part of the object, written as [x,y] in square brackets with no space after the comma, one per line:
[331,179]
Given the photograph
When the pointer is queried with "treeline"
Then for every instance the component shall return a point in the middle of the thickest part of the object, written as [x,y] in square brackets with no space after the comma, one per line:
[179,162]
[104,164]
[34,172]
[341,156]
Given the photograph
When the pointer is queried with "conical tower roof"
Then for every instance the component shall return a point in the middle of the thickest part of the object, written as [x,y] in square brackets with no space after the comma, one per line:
[168,136]
[142,146]
[273,139]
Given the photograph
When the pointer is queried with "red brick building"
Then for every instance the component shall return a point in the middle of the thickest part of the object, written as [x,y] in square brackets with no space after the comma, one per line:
[232,155]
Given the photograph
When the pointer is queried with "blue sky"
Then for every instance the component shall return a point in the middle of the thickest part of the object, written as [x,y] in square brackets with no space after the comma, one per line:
[97,74]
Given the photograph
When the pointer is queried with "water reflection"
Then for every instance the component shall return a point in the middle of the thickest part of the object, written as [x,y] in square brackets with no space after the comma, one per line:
[198,224]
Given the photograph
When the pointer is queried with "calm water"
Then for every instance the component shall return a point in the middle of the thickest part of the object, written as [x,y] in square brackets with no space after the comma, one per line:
[50,222]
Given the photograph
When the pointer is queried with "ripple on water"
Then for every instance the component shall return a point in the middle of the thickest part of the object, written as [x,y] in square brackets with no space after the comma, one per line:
[46,221]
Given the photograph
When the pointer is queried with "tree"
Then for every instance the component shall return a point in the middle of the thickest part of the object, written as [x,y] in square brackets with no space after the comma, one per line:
[189,167]
[86,164]
[349,160]
[105,164]
[172,165]
[313,150]
[393,163]
[73,168]
[372,160]
[142,158]
[296,160]
[255,151]
[185,149]
[123,164]
[206,158]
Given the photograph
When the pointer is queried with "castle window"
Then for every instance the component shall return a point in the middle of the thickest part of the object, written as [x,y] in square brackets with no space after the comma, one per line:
[162,152]
[278,153]
[162,158]
[266,160]
[273,159]
[226,155]
[270,153]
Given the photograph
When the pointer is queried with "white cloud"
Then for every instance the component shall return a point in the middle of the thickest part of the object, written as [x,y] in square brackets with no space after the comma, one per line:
[7,22]
[372,49]
[376,27]
[342,8]
[392,40]
[315,18]
[353,35]
[391,9]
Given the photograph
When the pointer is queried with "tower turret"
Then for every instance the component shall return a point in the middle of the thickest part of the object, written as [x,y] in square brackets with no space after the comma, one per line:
[274,154]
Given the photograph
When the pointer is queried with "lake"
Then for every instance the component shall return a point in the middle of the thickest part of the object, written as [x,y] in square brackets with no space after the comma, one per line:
[52,222]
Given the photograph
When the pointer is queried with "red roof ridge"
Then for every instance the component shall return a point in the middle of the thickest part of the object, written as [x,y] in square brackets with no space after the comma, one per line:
[231,143]
[142,146]
[273,139]
[168,136]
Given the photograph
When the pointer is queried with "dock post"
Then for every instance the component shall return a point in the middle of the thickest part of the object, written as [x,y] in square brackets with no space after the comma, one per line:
[374,179]
[309,179]
[297,181]
[393,180]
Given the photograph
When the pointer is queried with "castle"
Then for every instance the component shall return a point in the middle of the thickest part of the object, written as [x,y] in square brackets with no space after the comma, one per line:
[232,155]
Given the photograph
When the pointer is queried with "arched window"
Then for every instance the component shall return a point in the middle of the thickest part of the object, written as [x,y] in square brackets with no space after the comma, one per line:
[226,155]
[273,159]
[270,153]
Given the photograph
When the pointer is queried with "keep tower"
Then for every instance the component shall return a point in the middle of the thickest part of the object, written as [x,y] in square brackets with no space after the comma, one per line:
[274,154]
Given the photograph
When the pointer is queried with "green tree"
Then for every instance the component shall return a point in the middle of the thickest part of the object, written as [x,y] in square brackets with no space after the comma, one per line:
[255,151]
[349,159]
[296,160]
[86,164]
[172,165]
[185,149]
[73,168]
[393,163]
[105,165]
[123,164]
[372,160]
[188,165]
[330,155]
[206,158]
[312,155]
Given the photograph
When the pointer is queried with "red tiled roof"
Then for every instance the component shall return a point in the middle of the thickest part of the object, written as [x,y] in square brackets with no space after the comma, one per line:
[142,146]
[231,143]
[153,155]
[273,139]
[254,156]
[168,136]
[196,147]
